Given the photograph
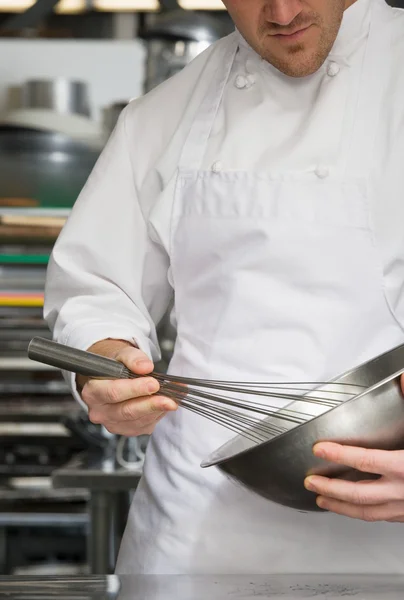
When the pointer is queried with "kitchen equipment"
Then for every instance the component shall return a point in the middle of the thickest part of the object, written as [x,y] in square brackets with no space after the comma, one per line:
[289,586]
[272,456]
[60,95]
[174,39]
[49,167]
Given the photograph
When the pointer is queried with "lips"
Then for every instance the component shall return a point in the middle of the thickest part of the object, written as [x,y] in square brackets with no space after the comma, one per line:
[293,34]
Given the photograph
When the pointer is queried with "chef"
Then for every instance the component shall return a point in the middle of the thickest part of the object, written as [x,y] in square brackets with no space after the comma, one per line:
[262,189]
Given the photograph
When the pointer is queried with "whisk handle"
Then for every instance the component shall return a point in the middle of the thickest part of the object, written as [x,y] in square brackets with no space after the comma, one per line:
[76,361]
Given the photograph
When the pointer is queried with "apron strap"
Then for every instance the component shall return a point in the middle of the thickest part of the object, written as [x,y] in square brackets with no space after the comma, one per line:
[368,111]
[194,149]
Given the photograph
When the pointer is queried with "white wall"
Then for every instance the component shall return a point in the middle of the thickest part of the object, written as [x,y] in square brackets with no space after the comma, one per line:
[113,69]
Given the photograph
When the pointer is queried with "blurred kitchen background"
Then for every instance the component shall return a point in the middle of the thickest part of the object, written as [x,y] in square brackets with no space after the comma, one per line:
[67,69]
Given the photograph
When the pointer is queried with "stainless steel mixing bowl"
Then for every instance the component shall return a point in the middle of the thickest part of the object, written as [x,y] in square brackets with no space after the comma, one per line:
[372,418]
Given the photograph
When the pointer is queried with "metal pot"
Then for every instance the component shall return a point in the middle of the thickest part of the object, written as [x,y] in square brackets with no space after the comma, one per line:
[60,95]
[49,167]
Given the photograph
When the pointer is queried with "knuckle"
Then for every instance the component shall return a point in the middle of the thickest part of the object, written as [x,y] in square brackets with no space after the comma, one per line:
[139,389]
[366,462]
[128,411]
[155,405]
[112,394]
[88,393]
[360,498]
[369,515]
[91,393]
[112,428]
[127,351]
[400,465]
[130,355]
[86,396]
[95,417]
[142,386]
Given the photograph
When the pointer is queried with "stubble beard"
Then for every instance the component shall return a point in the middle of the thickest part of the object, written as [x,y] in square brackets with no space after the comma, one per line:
[298,61]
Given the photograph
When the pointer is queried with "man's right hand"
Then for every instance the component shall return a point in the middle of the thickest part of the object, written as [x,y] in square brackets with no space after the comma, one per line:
[127,407]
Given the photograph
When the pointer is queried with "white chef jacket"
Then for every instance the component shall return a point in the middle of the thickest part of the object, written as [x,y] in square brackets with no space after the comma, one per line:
[111,276]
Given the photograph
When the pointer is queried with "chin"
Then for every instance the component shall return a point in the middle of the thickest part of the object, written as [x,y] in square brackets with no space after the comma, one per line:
[299,73]
[298,68]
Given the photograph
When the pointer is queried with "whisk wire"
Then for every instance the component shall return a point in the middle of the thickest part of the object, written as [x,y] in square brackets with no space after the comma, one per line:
[257,421]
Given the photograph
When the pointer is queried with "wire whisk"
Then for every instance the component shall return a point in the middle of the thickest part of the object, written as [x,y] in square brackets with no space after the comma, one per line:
[230,405]
[250,409]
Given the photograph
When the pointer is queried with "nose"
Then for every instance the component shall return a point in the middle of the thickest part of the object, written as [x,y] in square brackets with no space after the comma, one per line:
[282,12]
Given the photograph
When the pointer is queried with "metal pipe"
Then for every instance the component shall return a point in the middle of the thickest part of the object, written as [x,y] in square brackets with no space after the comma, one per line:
[99,538]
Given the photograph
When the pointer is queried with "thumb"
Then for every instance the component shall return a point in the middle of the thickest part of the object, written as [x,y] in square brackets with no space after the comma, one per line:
[135,360]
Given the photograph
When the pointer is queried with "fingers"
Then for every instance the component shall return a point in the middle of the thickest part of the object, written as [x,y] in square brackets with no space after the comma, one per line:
[391,511]
[137,416]
[379,462]
[381,500]
[128,407]
[99,393]
[360,493]
[132,410]
[144,426]
[121,408]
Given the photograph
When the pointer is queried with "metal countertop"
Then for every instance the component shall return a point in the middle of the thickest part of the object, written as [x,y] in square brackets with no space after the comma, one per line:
[95,471]
[289,587]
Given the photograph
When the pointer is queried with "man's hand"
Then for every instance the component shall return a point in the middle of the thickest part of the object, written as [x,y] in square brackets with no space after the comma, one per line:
[127,407]
[380,500]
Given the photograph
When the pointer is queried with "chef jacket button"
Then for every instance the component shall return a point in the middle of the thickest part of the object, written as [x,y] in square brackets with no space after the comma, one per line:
[333,69]
[241,82]
[322,172]
[217,167]
[250,80]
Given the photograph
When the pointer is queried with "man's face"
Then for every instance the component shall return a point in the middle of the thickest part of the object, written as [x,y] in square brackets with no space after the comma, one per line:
[295,36]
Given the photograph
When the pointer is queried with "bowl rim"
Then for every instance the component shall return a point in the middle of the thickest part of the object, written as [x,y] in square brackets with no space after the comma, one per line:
[210,462]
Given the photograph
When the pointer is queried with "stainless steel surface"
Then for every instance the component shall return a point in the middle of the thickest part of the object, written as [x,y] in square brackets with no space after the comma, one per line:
[60,95]
[373,419]
[108,512]
[97,472]
[49,167]
[84,363]
[99,556]
[21,363]
[41,519]
[160,587]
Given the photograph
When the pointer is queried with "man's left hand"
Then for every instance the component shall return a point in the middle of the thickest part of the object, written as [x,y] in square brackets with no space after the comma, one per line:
[375,500]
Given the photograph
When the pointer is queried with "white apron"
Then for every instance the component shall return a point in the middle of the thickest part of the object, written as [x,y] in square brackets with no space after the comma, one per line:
[277,277]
